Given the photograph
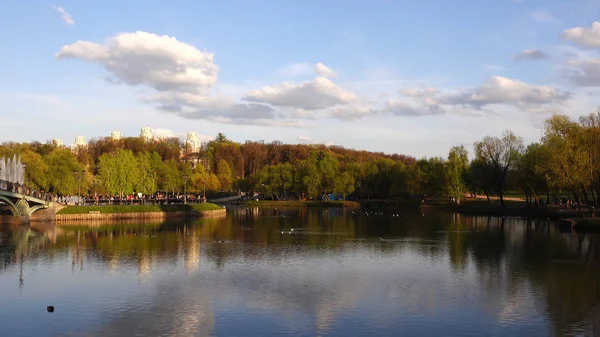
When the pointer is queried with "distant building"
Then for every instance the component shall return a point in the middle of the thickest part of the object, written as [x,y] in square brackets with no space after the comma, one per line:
[146,133]
[116,135]
[56,142]
[79,141]
[192,142]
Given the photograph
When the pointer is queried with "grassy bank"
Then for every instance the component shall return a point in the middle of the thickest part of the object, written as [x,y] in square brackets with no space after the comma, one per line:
[267,203]
[138,208]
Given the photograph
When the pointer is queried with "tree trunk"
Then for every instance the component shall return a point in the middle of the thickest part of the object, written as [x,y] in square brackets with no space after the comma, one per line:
[586,199]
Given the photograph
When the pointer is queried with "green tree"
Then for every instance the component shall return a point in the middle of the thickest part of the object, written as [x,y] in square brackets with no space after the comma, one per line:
[146,179]
[344,184]
[224,174]
[457,166]
[171,176]
[61,167]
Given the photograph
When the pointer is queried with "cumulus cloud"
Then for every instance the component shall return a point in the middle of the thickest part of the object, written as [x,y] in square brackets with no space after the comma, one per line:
[585,72]
[503,90]
[589,37]
[324,71]
[181,75]
[65,16]
[320,93]
[193,106]
[141,58]
[349,111]
[530,54]
[423,92]
[309,140]
[400,108]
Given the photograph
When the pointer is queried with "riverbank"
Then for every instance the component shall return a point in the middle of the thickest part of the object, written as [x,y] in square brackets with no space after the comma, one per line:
[142,212]
[513,208]
[333,203]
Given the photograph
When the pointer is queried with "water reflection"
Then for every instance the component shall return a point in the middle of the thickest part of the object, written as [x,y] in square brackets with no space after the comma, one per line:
[336,273]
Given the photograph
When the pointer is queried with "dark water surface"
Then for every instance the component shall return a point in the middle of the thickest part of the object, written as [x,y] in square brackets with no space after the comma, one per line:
[338,273]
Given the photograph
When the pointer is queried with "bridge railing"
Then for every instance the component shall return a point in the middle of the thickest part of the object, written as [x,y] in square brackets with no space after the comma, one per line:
[24,190]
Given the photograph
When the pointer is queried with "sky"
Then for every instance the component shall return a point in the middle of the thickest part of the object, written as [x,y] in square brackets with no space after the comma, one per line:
[410,77]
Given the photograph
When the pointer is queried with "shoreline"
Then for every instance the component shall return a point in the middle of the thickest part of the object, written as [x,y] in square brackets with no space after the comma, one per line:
[334,203]
[60,218]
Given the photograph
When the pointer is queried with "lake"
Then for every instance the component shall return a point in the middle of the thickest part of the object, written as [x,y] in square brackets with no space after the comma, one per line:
[379,272]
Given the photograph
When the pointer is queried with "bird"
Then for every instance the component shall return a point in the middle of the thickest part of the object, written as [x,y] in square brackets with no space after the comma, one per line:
[50,308]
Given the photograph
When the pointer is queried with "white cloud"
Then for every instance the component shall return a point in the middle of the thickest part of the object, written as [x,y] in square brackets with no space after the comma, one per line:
[424,92]
[543,16]
[585,72]
[324,71]
[140,58]
[349,111]
[530,54]
[503,90]
[320,93]
[65,16]
[400,108]
[589,37]
[309,140]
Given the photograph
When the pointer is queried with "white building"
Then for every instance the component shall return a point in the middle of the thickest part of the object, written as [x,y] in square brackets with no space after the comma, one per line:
[56,142]
[192,142]
[146,133]
[116,135]
[79,142]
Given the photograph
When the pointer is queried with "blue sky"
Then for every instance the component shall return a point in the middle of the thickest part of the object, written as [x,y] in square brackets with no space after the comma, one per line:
[412,77]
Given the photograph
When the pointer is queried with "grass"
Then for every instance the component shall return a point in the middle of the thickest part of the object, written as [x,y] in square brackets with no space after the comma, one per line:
[336,203]
[205,207]
[138,208]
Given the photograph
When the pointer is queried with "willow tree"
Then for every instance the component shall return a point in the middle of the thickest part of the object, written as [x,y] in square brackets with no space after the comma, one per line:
[569,163]
[502,155]
[457,166]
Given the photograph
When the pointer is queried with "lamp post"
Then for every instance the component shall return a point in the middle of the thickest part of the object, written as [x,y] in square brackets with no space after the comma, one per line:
[185,179]
[24,188]
[79,175]
[204,190]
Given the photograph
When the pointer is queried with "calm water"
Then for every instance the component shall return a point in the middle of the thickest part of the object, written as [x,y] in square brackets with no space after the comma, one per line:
[338,273]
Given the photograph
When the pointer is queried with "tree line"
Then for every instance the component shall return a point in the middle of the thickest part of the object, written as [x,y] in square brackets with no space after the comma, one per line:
[565,161]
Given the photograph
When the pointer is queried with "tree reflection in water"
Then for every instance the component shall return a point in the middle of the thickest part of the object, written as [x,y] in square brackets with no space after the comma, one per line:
[519,267]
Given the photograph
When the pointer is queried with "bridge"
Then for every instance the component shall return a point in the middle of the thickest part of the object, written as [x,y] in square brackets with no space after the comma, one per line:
[22,200]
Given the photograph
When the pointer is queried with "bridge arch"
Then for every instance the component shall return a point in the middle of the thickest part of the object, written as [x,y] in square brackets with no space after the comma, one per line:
[13,208]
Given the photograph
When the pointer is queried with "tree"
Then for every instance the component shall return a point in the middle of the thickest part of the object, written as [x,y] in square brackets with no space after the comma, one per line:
[146,182]
[172,180]
[457,166]
[224,174]
[532,170]
[61,166]
[221,138]
[344,184]
[502,154]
